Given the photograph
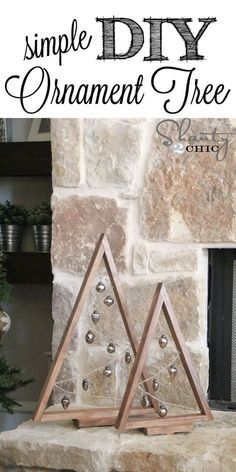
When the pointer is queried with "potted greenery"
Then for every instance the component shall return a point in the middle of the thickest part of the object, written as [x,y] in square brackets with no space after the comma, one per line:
[10,377]
[40,218]
[12,220]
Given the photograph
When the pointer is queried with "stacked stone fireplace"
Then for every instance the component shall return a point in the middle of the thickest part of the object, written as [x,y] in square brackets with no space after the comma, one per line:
[162,208]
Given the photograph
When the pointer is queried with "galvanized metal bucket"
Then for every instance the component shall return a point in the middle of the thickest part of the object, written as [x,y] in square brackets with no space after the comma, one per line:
[10,238]
[42,237]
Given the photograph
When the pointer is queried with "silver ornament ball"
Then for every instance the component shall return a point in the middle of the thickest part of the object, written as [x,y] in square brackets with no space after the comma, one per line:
[107,371]
[155,385]
[172,371]
[109,300]
[100,287]
[89,337]
[65,401]
[5,322]
[163,341]
[162,411]
[128,357]
[85,384]
[95,317]
[111,348]
[145,401]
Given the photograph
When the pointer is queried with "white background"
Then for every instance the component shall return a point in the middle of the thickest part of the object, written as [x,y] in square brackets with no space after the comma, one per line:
[48,17]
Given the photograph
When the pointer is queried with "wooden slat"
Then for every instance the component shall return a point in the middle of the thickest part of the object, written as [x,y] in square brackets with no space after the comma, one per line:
[149,422]
[93,414]
[171,429]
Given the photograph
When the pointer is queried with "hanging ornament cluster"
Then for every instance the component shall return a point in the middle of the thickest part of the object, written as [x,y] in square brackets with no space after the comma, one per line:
[90,337]
[172,371]
[107,370]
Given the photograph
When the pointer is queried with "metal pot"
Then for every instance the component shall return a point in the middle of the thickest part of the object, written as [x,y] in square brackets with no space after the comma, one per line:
[42,237]
[10,237]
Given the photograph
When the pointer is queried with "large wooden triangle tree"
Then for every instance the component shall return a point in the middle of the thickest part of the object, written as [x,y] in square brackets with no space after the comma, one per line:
[154,424]
[90,416]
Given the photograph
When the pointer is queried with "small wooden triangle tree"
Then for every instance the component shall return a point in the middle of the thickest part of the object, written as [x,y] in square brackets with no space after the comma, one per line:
[155,424]
[92,416]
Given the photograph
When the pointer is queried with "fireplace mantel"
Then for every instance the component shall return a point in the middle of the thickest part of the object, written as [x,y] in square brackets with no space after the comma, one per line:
[59,446]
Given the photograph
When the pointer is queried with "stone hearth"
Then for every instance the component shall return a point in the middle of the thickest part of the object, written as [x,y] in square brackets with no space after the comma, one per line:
[211,447]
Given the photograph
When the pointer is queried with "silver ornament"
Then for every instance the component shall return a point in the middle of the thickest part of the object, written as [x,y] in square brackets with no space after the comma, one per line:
[5,322]
[65,401]
[145,401]
[107,371]
[163,341]
[128,357]
[172,371]
[109,300]
[111,348]
[162,411]
[85,384]
[100,287]
[89,337]
[95,317]
[155,385]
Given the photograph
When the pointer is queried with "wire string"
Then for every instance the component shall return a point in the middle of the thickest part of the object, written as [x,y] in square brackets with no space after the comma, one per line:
[160,371]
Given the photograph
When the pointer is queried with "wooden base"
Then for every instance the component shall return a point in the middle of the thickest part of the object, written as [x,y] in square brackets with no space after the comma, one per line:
[171,429]
[168,424]
[88,417]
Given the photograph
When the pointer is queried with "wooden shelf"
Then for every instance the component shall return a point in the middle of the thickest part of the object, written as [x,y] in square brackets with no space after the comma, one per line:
[25,159]
[28,268]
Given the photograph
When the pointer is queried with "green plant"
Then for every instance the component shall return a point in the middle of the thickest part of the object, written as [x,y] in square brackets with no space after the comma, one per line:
[5,287]
[10,380]
[40,215]
[12,214]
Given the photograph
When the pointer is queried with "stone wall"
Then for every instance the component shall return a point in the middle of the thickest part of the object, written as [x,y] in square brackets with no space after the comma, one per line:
[161,210]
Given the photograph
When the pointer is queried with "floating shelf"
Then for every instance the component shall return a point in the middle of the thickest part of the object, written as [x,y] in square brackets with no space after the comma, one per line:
[28,268]
[25,159]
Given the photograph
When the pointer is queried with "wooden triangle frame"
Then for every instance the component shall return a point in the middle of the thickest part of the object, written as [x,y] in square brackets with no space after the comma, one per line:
[155,424]
[93,416]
